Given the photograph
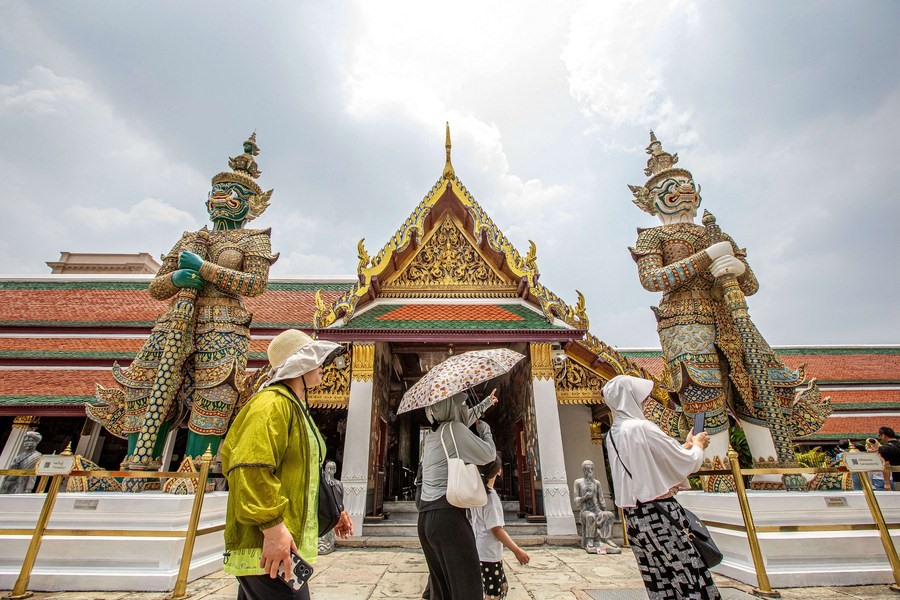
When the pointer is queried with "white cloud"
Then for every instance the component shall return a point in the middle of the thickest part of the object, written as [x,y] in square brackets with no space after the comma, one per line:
[41,93]
[146,214]
[310,264]
[83,168]
[616,56]
[423,63]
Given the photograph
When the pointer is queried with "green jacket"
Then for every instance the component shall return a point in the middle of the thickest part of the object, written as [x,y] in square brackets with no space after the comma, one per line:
[271,459]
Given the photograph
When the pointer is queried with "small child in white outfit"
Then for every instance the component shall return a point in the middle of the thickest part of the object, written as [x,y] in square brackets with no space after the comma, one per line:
[490,537]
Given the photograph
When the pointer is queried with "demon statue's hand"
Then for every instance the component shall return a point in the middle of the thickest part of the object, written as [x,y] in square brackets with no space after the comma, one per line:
[715,251]
[187,278]
[189,260]
[727,265]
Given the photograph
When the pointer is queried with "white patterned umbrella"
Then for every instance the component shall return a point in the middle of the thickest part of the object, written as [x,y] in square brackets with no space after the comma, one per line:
[456,374]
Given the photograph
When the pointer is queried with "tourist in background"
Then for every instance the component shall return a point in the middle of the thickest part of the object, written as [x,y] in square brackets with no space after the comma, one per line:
[875,477]
[648,468]
[843,447]
[890,452]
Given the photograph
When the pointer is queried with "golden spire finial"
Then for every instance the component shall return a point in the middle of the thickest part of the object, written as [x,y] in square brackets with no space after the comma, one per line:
[659,160]
[449,173]
[208,455]
[68,450]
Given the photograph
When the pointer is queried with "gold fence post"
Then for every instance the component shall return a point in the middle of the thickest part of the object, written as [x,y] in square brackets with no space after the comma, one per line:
[762,578]
[20,589]
[625,542]
[179,593]
[886,540]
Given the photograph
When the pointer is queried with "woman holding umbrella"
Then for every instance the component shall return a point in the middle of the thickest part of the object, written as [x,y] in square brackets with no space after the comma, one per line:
[444,531]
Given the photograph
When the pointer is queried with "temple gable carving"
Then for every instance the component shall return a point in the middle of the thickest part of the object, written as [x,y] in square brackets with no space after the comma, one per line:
[448,264]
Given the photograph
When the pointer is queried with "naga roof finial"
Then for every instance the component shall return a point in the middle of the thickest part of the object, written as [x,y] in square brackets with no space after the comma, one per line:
[659,160]
[449,173]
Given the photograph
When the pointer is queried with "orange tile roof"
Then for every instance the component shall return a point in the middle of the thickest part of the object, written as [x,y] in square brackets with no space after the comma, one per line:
[824,366]
[287,307]
[863,396]
[38,347]
[41,344]
[654,366]
[846,367]
[98,306]
[450,312]
[79,305]
[53,382]
[855,427]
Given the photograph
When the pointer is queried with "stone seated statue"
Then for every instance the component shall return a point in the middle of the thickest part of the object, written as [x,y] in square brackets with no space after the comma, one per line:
[596,521]
[24,460]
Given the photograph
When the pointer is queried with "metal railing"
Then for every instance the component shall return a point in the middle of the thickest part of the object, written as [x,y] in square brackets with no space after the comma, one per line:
[763,588]
[20,590]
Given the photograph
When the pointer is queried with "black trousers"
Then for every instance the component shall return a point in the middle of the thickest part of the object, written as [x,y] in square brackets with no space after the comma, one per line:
[263,587]
[449,546]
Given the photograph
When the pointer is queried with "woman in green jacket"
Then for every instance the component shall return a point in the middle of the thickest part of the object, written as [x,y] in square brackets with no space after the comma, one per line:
[271,458]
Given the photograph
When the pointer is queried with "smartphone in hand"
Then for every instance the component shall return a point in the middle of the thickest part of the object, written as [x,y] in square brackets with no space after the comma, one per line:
[699,422]
[301,572]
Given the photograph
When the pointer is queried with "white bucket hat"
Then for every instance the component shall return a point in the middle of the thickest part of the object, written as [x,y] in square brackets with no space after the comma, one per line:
[293,353]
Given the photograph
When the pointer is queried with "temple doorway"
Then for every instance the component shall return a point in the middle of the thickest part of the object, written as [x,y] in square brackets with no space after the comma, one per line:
[398,445]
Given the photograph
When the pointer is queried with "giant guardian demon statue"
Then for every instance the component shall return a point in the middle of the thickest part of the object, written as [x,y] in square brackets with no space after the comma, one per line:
[192,366]
[717,363]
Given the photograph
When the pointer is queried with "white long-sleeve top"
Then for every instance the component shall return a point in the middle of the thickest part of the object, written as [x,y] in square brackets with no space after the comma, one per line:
[656,461]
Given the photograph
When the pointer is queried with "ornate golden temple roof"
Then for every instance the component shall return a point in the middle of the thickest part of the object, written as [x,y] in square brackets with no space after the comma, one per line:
[449,247]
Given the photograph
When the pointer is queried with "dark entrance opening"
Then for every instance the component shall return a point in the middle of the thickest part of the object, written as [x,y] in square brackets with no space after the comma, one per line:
[406,432]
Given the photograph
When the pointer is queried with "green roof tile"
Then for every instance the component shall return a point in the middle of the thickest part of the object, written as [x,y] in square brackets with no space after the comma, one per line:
[530,320]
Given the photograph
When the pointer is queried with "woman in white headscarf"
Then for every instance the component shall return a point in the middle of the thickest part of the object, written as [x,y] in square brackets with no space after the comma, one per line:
[648,468]
[444,530]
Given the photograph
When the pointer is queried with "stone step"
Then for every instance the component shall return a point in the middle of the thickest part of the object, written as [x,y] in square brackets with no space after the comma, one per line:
[510,518]
[404,506]
[526,541]
[406,528]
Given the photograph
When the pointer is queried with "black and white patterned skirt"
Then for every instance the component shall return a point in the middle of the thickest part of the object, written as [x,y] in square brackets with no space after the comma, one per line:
[670,566]
[494,579]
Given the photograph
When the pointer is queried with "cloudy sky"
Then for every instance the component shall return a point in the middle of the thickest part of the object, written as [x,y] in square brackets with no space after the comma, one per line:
[114,116]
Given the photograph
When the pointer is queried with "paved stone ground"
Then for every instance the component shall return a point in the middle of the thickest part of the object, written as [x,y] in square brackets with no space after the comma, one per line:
[553,574]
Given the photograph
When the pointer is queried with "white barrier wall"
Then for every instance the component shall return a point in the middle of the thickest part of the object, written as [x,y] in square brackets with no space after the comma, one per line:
[114,562]
[801,558]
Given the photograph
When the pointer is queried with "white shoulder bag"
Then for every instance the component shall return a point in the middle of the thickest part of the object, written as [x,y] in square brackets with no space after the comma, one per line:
[464,486]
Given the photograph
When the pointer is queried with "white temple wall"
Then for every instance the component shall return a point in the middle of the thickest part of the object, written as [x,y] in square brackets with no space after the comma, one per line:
[556,490]
[577,447]
[355,469]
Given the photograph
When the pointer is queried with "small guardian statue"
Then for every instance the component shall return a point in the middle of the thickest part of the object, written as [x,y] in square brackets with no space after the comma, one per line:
[596,522]
[24,460]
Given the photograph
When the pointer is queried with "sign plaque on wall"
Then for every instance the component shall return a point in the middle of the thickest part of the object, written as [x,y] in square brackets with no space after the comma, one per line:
[54,464]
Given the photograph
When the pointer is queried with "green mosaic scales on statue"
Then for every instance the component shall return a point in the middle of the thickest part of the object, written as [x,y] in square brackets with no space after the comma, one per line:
[192,366]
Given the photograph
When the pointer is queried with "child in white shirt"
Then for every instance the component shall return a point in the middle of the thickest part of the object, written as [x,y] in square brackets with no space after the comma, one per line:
[490,537]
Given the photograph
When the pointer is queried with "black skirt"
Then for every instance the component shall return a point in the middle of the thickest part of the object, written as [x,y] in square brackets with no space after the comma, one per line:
[670,566]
